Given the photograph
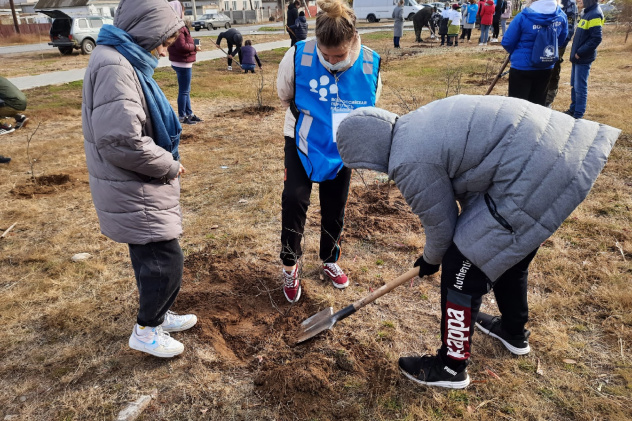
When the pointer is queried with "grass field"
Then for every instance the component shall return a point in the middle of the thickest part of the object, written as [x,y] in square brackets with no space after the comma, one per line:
[64,346]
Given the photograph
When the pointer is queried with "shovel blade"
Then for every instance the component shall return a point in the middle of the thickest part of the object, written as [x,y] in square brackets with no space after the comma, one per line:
[319,322]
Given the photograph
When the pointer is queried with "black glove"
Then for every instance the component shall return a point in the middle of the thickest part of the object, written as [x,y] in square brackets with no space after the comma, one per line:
[425,268]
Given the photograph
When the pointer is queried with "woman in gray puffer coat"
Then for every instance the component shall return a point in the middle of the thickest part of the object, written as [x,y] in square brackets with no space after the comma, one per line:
[515,170]
[131,137]
[398,26]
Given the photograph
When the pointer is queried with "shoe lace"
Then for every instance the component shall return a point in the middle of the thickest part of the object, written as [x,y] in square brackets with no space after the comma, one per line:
[162,337]
[333,267]
[289,279]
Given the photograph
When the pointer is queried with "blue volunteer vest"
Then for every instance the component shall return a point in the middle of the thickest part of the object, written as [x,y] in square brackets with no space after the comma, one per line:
[322,99]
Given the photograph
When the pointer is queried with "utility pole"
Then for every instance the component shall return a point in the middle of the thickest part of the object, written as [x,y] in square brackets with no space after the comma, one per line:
[15,17]
[194,10]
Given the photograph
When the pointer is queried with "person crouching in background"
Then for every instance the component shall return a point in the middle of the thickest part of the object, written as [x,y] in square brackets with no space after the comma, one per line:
[248,56]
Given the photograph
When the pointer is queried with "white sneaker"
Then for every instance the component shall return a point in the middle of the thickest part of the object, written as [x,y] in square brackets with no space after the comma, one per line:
[154,341]
[480,43]
[494,40]
[176,323]
[230,67]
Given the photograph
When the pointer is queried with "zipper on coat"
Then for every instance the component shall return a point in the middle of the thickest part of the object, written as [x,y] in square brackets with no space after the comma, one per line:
[492,209]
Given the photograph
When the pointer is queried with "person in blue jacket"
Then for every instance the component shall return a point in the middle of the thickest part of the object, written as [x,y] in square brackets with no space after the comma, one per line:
[583,53]
[570,8]
[528,79]
[320,81]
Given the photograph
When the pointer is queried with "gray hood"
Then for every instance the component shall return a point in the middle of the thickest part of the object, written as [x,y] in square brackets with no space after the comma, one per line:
[364,138]
[149,22]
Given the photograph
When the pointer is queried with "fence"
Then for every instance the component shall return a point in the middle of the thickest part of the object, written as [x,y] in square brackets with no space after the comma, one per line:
[25,29]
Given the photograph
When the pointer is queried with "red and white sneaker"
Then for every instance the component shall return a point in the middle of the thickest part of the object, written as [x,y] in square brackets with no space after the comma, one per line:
[291,285]
[335,274]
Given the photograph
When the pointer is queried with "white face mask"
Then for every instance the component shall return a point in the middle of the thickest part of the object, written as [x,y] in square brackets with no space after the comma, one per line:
[333,67]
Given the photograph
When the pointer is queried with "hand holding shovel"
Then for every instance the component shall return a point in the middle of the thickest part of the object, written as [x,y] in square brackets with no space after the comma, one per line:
[326,319]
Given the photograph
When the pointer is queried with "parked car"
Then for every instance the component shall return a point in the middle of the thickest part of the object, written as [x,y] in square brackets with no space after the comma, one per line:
[374,10]
[610,10]
[439,5]
[75,33]
[211,21]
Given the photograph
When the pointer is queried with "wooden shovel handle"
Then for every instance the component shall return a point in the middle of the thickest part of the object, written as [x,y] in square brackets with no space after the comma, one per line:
[386,288]
[500,72]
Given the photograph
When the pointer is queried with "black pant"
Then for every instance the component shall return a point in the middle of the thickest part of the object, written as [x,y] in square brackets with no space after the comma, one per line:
[467,32]
[453,40]
[292,40]
[443,37]
[231,48]
[462,288]
[529,84]
[496,28]
[297,188]
[554,80]
[158,269]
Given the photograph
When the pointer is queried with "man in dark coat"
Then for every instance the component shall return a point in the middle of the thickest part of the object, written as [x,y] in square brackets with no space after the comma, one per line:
[292,15]
[235,40]
[421,19]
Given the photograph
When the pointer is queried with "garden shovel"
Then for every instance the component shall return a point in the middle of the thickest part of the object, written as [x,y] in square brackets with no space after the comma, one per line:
[326,319]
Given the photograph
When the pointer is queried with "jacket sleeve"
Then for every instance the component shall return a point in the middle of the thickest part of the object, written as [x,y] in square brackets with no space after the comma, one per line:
[512,34]
[257,58]
[285,78]
[594,38]
[117,98]
[220,37]
[428,190]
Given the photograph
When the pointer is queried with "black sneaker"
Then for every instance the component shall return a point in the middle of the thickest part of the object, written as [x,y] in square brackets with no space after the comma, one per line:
[20,121]
[6,128]
[195,118]
[492,326]
[4,159]
[569,112]
[187,120]
[431,371]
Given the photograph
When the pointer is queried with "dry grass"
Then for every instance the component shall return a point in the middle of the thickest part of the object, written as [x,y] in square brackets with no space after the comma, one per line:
[64,349]
[18,39]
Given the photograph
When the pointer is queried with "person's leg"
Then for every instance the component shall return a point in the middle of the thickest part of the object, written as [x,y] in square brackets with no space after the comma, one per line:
[510,291]
[571,108]
[158,269]
[297,188]
[292,40]
[539,83]
[450,40]
[485,35]
[333,199]
[503,26]
[184,83]
[519,84]
[496,26]
[462,288]
[230,52]
[554,79]
[442,39]
[580,85]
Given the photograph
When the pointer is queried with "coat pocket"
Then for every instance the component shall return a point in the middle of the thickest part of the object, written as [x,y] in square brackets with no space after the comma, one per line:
[498,217]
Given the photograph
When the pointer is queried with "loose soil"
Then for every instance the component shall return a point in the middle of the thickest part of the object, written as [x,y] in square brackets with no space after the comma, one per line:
[238,307]
[46,184]
[379,209]
[253,111]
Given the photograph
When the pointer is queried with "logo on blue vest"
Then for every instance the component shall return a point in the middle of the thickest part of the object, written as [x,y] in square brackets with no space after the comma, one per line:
[324,81]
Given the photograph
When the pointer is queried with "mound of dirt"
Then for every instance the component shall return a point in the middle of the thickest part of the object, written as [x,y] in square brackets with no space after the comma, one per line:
[45,184]
[248,112]
[378,208]
[243,314]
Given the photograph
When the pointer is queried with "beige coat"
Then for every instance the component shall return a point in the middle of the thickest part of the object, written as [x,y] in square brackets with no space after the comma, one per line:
[132,180]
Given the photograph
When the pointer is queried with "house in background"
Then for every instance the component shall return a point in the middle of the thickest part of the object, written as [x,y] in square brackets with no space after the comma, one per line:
[79,7]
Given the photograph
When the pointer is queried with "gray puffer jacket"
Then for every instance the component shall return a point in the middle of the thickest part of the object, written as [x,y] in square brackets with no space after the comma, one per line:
[131,178]
[516,169]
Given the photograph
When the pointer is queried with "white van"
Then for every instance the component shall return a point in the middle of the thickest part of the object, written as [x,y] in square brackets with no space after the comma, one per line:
[374,10]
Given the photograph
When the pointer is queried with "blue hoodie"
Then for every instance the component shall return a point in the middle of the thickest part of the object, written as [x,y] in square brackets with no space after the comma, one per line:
[521,33]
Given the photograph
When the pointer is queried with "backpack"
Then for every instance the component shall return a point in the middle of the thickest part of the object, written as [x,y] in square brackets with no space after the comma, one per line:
[545,52]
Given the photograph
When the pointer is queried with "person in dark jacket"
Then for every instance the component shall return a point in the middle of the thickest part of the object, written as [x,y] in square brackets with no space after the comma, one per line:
[501,5]
[444,23]
[421,19]
[248,56]
[12,101]
[292,15]
[300,27]
[234,39]
[182,55]
[527,79]
[489,188]
[583,53]
[570,8]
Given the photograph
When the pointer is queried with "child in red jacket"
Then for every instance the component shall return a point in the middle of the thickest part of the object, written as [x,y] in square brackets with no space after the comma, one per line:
[486,10]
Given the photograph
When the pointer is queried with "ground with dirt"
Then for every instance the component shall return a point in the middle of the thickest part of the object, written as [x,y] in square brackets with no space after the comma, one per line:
[66,324]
